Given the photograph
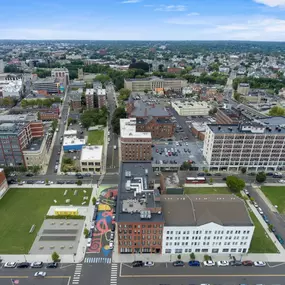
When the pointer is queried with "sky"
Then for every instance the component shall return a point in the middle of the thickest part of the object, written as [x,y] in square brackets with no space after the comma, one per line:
[255,20]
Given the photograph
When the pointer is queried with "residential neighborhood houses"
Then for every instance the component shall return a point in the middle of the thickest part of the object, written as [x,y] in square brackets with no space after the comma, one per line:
[152,155]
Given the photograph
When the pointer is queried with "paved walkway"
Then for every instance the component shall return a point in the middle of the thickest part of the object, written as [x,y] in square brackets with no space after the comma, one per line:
[265,199]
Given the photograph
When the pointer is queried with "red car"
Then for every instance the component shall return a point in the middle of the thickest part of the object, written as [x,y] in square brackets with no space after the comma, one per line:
[247,263]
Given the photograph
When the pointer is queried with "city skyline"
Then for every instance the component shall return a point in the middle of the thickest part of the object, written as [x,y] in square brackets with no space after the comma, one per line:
[260,20]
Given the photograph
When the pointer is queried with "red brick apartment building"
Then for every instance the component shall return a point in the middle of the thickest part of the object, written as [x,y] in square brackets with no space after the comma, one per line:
[151,118]
[227,116]
[135,146]
[139,219]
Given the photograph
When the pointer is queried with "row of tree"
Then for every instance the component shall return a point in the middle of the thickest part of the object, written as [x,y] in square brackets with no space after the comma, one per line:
[119,113]
[39,102]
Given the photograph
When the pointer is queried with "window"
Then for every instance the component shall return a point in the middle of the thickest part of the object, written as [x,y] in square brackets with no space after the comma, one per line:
[167,250]
[178,250]
[225,250]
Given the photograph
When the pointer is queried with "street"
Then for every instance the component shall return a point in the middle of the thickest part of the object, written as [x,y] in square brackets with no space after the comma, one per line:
[112,153]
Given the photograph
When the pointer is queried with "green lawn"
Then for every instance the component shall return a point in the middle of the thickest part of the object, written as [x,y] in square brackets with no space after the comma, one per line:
[21,208]
[260,243]
[206,190]
[96,137]
[276,195]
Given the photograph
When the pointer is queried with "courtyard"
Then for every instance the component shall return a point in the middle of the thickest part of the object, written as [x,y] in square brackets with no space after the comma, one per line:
[21,208]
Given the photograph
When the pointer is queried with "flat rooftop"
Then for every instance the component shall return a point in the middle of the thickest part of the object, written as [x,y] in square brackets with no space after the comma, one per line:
[247,128]
[18,118]
[142,109]
[128,129]
[35,144]
[89,91]
[138,201]
[198,210]
[153,78]
[73,141]
[91,153]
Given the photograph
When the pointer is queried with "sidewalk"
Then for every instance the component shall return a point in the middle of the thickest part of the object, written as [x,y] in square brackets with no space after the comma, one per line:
[265,199]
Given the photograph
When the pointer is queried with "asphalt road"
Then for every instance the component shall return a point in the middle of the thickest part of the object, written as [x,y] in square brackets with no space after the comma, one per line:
[165,273]
[57,145]
[274,217]
[57,276]
[112,154]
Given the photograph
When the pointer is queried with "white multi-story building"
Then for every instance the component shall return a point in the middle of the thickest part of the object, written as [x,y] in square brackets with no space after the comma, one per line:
[218,224]
[91,158]
[254,146]
[12,88]
[187,108]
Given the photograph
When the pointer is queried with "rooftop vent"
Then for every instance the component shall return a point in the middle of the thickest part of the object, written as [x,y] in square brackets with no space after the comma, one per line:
[145,215]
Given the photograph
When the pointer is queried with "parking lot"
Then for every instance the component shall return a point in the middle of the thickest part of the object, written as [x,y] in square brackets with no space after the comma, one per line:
[174,153]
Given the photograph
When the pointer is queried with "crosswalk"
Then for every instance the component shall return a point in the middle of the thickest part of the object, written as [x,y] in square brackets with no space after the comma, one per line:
[77,274]
[114,274]
[97,260]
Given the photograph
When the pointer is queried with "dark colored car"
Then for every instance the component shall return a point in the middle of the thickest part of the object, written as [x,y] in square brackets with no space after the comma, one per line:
[194,263]
[52,265]
[247,263]
[280,239]
[113,227]
[178,263]
[265,219]
[79,176]
[235,263]
[201,174]
[23,265]
[29,174]
[60,182]
[30,182]
[137,264]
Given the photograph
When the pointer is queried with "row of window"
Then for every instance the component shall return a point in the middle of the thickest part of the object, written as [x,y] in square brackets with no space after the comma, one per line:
[203,243]
[214,250]
[155,237]
[207,232]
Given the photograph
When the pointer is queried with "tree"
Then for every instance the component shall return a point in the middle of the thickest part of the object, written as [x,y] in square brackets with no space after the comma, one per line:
[119,113]
[79,182]
[46,181]
[86,232]
[211,180]
[243,170]
[145,91]
[54,125]
[192,256]
[93,200]
[235,184]
[271,227]
[207,257]
[139,65]
[55,256]
[124,94]
[179,256]
[277,111]
[260,177]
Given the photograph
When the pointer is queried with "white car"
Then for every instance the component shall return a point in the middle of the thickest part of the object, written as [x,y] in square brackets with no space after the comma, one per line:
[259,263]
[92,225]
[209,263]
[246,191]
[40,274]
[281,181]
[255,204]
[10,265]
[148,264]
[260,210]
[223,263]
[111,245]
[89,241]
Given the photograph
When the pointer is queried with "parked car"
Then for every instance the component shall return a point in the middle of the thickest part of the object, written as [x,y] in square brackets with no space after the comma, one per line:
[92,225]
[255,204]
[235,263]
[89,241]
[265,219]
[247,263]
[37,264]
[223,263]
[10,264]
[29,174]
[259,263]
[178,263]
[40,274]
[23,265]
[195,263]
[280,239]
[209,263]
[246,192]
[137,263]
[260,211]
[111,245]
[149,264]
[52,265]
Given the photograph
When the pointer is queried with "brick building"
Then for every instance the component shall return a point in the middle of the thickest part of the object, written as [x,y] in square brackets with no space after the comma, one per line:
[139,220]
[49,114]
[227,116]
[135,146]
[75,99]
[3,183]
[151,118]
[102,97]
[89,96]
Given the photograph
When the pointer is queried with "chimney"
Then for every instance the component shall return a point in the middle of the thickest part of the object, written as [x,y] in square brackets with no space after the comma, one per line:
[145,112]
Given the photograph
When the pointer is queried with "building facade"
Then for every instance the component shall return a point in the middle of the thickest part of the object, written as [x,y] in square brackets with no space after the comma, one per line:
[89,96]
[151,83]
[135,146]
[61,75]
[139,219]
[3,183]
[102,97]
[227,116]
[91,159]
[75,99]
[202,224]
[48,85]
[252,146]
[187,108]
[243,88]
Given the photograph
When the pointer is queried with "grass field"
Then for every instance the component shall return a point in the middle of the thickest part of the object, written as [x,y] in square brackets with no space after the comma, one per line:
[206,190]
[21,208]
[96,137]
[260,243]
[276,195]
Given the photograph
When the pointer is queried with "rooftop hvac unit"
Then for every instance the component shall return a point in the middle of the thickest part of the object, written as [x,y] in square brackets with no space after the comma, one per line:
[145,215]
[128,173]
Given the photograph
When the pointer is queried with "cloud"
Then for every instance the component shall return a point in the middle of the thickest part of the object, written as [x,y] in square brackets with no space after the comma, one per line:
[271,3]
[193,14]
[131,1]
[171,8]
